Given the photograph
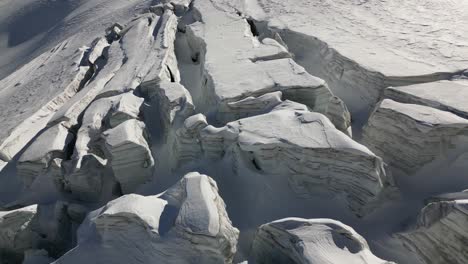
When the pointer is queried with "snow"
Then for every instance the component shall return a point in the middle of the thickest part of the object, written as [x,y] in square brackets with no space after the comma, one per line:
[306,149]
[30,28]
[444,95]
[52,73]
[433,42]
[113,111]
[408,136]
[298,240]
[185,223]
[129,154]
[440,232]
[362,47]
[231,69]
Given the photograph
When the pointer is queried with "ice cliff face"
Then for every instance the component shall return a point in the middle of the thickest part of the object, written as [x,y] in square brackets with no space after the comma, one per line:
[305,147]
[221,82]
[440,233]
[408,136]
[390,46]
[112,112]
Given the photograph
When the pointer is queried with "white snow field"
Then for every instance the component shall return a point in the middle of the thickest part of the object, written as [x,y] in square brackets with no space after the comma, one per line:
[233,131]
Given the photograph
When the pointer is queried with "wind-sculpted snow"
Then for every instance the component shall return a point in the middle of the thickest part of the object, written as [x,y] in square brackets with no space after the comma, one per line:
[71,111]
[297,240]
[147,46]
[185,224]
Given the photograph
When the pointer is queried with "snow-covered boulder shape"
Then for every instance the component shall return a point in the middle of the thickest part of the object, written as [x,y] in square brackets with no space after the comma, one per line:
[16,234]
[235,65]
[310,241]
[129,154]
[36,159]
[187,223]
[441,233]
[127,107]
[102,114]
[448,96]
[307,148]
[186,144]
[408,136]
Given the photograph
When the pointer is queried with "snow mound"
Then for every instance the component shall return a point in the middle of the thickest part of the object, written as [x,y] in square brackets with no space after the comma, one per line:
[187,223]
[297,240]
